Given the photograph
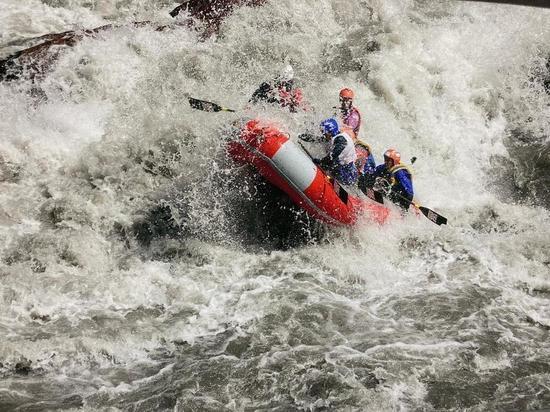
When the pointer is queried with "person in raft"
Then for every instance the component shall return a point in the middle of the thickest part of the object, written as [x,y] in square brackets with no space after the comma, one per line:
[351,118]
[397,179]
[280,91]
[365,160]
[341,157]
[349,114]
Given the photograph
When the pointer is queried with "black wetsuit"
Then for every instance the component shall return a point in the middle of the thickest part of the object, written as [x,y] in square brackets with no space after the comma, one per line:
[271,93]
[264,93]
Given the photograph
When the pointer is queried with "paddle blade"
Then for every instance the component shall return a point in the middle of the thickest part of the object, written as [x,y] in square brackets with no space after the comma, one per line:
[207,106]
[433,216]
[374,195]
[204,105]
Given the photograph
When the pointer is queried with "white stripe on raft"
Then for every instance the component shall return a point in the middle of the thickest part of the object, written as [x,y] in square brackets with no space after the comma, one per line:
[319,211]
[296,166]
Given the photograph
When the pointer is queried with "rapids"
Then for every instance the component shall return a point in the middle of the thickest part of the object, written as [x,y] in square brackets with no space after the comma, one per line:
[141,270]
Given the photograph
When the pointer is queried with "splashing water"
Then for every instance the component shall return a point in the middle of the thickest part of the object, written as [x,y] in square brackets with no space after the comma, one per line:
[141,270]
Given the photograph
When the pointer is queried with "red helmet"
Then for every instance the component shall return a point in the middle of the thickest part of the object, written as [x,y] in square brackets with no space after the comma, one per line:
[393,155]
[346,94]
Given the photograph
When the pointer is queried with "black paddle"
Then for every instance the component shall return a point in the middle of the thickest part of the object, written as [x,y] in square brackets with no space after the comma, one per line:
[373,195]
[430,214]
[206,106]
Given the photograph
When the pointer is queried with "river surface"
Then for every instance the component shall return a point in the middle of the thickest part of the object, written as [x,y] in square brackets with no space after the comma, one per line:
[140,270]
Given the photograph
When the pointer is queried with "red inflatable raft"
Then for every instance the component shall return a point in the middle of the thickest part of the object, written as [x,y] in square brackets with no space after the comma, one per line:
[285,165]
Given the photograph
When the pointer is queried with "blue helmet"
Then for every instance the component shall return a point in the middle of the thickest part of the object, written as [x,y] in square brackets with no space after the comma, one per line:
[330,126]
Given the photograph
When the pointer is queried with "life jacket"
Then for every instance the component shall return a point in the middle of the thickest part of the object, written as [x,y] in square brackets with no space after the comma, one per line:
[346,118]
[397,168]
[291,99]
[348,155]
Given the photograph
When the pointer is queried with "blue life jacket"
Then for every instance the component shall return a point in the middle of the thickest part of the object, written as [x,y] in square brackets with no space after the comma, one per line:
[400,178]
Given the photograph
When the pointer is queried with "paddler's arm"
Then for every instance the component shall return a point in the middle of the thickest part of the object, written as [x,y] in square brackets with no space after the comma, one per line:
[339,146]
[403,178]
[261,93]
[330,161]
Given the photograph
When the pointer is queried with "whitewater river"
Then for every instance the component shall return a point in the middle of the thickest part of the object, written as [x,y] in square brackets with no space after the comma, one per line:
[140,270]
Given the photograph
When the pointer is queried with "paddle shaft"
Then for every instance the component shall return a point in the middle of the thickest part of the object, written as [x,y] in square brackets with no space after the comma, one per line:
[430,214]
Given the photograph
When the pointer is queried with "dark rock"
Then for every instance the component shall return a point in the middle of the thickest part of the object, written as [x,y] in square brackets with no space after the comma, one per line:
[9,172]
[212,12]
[23,367]
[73,401]
[528,171]
[536,323]
[373,46]
[43,318]
[158,222]
[34,62]
[238,347]
[37,266]
[339,59]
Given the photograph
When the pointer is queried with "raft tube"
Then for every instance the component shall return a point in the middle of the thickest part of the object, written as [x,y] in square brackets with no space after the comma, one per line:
[285,165]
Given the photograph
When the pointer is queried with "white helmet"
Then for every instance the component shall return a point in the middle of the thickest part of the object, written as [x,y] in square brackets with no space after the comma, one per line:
[287,73]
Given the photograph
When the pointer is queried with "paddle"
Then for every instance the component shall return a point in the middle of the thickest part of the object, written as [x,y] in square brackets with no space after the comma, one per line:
[374,195]
[430,214]
[206,106]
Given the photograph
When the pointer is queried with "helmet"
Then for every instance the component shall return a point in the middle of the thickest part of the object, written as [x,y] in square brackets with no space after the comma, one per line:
[330,126]
[362,144]
[346,94]
[393,155]
[287,73]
